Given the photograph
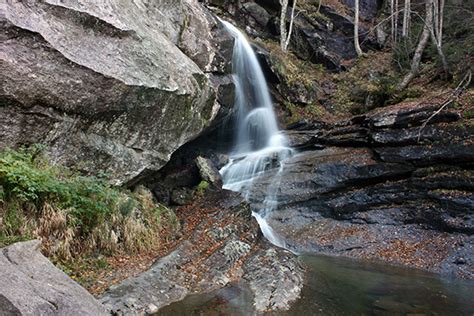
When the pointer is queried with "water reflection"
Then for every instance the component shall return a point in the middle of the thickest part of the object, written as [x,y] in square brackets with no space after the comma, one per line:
[338,286]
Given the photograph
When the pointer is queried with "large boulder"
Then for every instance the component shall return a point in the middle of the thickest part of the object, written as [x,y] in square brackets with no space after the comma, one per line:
[31,285]
[115,86]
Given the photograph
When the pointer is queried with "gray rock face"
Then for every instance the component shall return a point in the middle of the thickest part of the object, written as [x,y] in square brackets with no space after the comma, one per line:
[31,285]
[259,14]
[368,8]
[115,86]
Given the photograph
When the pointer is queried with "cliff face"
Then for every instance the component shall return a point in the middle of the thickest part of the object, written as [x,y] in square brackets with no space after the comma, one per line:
[113,87]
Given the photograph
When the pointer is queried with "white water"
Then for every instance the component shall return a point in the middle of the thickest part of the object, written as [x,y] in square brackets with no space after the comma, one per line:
[259,145]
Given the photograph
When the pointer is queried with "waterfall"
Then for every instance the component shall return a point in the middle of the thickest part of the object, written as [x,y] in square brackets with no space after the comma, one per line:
[259,145]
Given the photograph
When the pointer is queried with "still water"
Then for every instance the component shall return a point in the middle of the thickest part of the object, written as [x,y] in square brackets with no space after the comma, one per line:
[338,286]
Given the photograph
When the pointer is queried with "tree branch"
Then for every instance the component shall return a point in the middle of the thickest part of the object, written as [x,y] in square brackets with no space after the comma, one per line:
[462,86]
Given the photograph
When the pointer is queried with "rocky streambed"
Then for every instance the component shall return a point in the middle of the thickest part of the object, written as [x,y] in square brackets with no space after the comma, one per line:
[377,187]
[381,187]
[224,247]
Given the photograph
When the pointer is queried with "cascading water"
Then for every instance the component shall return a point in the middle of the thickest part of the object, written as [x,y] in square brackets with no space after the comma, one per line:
[259,144]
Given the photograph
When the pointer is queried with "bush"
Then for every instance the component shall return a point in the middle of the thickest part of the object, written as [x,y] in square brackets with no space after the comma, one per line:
[72,213]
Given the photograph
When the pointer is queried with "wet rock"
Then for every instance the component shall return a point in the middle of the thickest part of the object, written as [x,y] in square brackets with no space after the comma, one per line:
[276,278]
[408,115]
[462,258]
[378,186]
[311,173]
[415,135]
[301,139]
[462,152]
[220,160]
[32,285]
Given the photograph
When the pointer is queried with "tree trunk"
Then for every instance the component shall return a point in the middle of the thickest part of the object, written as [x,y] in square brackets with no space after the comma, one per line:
[440,24]
[392,19]
[287,41]
[284,9]
[356,29]
[396,21]
[425,36]
[439,49]
[406,19]
[436,17]
[319,5]
[437,32]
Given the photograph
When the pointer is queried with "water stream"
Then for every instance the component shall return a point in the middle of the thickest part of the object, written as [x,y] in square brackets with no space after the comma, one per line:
[259,145]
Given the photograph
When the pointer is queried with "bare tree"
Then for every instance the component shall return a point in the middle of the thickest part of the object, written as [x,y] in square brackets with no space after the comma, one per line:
[438,17]
[285,35]
[425,36]
[440,23]
[392,19]
[356,29]
[406,19]
[437,31]
[395,17]
[292,19]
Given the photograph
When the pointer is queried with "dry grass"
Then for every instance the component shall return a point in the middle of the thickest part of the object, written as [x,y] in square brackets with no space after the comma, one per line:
[133,232]
[58,239]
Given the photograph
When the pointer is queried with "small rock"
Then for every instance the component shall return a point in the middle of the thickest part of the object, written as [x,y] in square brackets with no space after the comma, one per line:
[151,309]
[181,196]
[130,302]
[460,261]
[208,172]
